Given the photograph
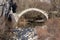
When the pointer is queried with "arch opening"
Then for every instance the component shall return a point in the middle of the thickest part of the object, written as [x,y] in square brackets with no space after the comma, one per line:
[32,9]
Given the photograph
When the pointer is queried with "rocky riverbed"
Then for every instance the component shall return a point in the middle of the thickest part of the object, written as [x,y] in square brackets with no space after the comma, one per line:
[25,34]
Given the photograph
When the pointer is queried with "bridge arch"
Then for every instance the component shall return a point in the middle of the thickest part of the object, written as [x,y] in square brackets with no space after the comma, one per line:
[32,9]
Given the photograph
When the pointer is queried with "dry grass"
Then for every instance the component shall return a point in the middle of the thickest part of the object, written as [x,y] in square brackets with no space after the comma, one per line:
[22,22]
[24,4]
[5,27]
[53,28]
